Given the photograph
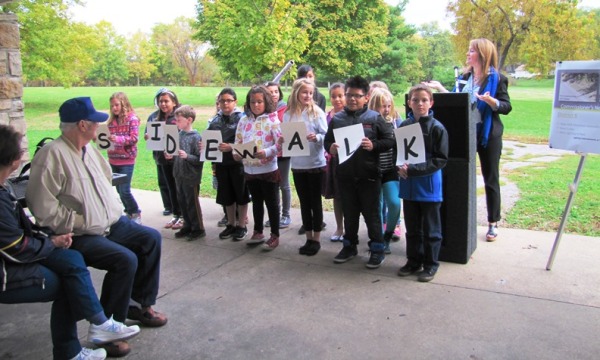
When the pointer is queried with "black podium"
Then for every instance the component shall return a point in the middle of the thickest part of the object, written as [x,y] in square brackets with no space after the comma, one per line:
[459,209]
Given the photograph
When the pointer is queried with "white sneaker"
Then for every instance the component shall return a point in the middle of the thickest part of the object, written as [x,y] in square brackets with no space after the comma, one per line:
[89,354]
[111,331]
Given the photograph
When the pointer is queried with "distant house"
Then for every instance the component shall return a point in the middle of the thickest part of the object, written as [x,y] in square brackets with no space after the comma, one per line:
[521,73]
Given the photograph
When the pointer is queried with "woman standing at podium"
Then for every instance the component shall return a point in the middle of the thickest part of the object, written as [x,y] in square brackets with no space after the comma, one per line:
[488,90]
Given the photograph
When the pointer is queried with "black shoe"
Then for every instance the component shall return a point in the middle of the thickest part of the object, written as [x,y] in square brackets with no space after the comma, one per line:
[408,269]
[375,260]
[426,275]
[167,212]
[240,233]
[196,234]
[347,253]
[311,248]
[302,249]
[182,233]
[227,233]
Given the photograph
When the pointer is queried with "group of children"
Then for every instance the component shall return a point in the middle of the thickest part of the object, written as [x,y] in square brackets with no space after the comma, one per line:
[366,183]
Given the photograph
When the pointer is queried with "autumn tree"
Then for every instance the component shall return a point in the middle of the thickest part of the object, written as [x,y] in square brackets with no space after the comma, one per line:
[253,39]
[539,32]
[176,39]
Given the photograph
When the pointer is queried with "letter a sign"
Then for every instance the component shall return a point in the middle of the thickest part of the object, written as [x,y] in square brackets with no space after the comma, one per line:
[410,145]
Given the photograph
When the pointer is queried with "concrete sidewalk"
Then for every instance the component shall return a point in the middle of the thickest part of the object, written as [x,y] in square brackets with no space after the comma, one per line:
[226,300]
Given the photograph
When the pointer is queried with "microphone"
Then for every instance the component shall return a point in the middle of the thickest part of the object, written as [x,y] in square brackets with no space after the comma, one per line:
[456,79]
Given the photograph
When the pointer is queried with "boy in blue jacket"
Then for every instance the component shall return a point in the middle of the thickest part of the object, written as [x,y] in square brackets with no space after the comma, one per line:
[421,189]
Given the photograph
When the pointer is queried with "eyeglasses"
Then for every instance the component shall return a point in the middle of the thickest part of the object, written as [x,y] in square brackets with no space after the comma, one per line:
[355,96]
[226,101]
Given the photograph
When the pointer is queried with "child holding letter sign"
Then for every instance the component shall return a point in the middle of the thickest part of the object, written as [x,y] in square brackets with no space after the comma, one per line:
[167,103]
[232,191]
[359,177]
[308,171]
[421,189]
[187,170]
[259,127]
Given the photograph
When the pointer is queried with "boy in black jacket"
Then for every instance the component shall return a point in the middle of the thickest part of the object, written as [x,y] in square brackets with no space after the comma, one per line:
[359,177]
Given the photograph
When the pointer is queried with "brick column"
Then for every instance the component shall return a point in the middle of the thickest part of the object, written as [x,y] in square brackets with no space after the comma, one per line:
[11,82]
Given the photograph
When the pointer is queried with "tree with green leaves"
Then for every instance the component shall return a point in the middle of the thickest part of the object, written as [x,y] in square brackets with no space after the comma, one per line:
[54,49]
[346,37]
[437,55]
[110,65]
[252,40]
[139,57]
[523,30]
[399,65]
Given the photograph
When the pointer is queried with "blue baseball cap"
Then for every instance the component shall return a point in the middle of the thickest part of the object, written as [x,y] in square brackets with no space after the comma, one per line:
[80,108]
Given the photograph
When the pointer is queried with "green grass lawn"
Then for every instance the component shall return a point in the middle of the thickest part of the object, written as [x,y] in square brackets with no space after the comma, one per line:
[544,190]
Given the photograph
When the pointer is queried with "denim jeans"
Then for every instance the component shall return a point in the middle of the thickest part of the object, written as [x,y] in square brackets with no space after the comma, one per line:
[131,256]
[124,190]
[69,285]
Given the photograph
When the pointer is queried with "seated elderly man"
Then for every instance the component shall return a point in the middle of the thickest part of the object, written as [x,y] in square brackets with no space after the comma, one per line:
[70,191]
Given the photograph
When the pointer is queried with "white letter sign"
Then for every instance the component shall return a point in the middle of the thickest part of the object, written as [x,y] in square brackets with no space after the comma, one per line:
[210,146]
[410,145]
[295,143]
[348,138]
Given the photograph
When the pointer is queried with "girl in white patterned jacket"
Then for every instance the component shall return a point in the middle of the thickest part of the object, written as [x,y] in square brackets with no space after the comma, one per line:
[260,126]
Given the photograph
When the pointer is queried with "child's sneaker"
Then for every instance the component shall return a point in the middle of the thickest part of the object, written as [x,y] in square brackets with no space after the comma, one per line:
[256,238]
[347,253]
[223,222]
[397,233]
[178,224]
[240,233]
[111,331]
[171,222]
[90,354]
[227,233]
[284,222]
[375,260]
[272,243]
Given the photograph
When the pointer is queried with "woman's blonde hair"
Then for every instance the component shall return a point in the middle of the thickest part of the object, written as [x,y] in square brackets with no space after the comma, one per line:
[379,96]
[126,107]
[488,55]
[294,107]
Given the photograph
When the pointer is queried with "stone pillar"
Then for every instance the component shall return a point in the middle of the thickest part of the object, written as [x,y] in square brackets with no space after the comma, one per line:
[11,82]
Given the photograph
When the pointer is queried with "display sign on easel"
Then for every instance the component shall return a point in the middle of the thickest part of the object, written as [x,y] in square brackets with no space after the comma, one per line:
[576,107]
[575,122]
